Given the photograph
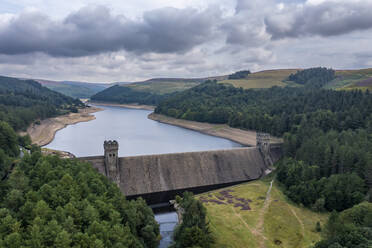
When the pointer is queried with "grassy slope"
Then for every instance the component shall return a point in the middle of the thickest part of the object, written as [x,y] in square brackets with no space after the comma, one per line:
[350,79]
[169,85]
[276,223]
[262,79]
[163,87]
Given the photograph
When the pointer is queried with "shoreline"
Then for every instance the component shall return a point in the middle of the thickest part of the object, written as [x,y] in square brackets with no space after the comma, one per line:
[243,137]
[44,133]
[130,106]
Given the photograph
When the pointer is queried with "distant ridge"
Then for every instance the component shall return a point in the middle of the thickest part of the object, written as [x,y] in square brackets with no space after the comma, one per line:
[74,88]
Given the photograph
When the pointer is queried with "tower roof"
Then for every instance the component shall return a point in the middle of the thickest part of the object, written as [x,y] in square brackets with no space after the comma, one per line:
[111,144]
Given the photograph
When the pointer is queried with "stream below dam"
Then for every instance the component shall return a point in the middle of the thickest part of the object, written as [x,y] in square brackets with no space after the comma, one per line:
[137,135]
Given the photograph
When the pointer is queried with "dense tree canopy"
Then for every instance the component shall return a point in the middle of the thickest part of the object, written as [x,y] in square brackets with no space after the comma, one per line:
[239,74]
[351,228]
[313,77]
[123,95]
[23,101]
[194,229]
[46,201]
[275,110]
[50,202]
[329,131]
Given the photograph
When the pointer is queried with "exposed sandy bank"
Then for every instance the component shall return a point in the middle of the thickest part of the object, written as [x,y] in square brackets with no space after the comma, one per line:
[244,137]
[132,106]
[43,133]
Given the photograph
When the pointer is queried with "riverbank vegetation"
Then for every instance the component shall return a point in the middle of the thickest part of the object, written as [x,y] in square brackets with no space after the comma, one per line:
[24,101]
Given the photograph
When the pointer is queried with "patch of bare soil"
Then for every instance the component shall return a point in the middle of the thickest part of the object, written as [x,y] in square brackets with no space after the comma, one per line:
[43,133]
[244,137]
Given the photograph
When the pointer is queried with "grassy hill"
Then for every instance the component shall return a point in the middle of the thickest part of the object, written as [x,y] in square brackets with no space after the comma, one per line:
[262,79]
[169,85]
[149,92]
[247,215]
[345,79]
[352,79]
[154,90]
[74,89]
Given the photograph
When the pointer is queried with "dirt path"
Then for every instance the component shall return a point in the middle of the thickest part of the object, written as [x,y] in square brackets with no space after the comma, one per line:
[298,219]
[252,230]
[258,231]
[44,133]
[261,218]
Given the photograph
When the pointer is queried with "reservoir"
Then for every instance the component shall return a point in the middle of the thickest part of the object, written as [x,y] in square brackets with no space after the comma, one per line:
[137,135]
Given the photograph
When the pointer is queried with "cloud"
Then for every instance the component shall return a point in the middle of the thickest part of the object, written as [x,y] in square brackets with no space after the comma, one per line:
[94,30]
[134,41]
[323,18]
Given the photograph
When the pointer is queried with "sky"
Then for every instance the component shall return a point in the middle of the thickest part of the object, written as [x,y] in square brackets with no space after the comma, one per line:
[133,40]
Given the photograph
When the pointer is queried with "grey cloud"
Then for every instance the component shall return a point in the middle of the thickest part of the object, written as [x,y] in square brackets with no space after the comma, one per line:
[95,30]
[327,19]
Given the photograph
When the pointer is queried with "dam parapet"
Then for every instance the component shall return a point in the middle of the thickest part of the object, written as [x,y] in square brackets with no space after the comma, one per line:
[160,177]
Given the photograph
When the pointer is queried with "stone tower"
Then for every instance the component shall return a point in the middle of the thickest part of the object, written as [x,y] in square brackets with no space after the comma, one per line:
[112,160]
[263,144]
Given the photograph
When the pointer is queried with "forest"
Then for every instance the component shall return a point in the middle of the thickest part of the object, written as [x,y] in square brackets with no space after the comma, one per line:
[313,77]
[24,101]
[327,164]
[126,95]
[239,74]
[46,201]
[327,134]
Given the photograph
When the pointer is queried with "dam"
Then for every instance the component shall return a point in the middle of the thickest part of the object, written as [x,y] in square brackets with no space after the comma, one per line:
[158,178]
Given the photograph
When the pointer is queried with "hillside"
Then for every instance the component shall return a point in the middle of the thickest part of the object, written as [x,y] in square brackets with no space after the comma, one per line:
[252,215]
[74,89]
[152,91]
[169,85]
[262,79]
[352,79]
[23,101]
[127,95]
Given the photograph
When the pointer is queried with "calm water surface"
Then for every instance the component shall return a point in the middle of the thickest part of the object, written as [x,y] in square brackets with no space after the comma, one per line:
[137,135]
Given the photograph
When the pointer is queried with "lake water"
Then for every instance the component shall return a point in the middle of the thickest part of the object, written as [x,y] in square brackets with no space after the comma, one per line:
[137,135]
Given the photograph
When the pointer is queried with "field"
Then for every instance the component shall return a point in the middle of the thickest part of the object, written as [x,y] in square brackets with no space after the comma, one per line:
[262,79]
[247,215]
[162,87]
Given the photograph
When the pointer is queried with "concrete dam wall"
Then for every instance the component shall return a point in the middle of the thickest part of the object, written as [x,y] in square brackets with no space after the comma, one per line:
[159,177]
